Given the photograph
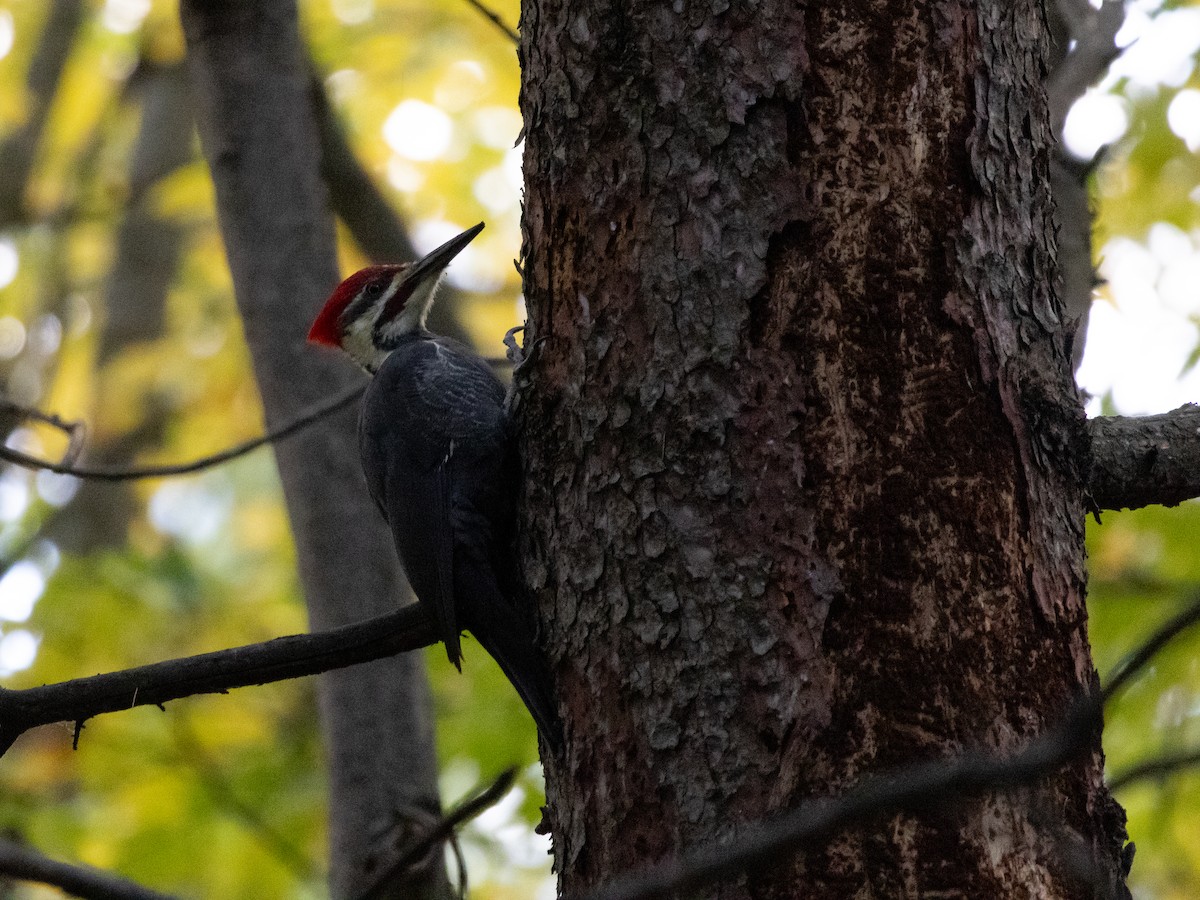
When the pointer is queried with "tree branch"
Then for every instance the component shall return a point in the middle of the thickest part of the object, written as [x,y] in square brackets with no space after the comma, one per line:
[492,17]
[1145,460]
[212,673]
[1159,766]
[67,467]
[443,829]
[18,149]
[355,197]
[76,432]
[1094,32]
[1124,671]
[358,201]
[1083,49]
[18,861]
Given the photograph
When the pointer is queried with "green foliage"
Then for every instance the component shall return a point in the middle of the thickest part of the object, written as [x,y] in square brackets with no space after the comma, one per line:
[224,796]
[217,796]
[1144,568]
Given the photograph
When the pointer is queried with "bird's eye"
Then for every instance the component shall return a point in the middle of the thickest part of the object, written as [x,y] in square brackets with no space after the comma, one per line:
[374,289]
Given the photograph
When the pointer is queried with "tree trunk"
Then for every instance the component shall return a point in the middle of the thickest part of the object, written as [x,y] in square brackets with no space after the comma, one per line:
[256,125]
[803,454]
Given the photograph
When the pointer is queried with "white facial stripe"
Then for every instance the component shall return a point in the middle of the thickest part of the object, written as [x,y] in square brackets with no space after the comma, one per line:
[366,337]
[359,337]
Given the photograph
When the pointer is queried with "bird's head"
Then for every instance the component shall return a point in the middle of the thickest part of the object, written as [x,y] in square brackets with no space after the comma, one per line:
[369,313]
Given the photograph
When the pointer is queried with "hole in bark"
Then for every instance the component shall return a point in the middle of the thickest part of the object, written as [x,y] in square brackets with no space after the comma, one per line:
[769,741]
[767,318]
[797,131]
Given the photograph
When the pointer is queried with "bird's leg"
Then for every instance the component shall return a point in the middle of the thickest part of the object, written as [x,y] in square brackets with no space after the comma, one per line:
[515,352]
[522,362]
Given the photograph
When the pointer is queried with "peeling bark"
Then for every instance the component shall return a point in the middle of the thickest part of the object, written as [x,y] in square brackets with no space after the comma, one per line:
[804,459]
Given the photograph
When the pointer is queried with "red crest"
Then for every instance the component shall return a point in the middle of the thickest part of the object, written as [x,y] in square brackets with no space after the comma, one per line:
[325,328]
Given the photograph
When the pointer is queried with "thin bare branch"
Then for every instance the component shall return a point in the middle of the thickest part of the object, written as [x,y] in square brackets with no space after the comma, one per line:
[1158,767]
[75,431]
[1094,32]
[445,827]
[494,19]
[212,673]
[26,864]
[205,462]
[1145,460]
[1137,660]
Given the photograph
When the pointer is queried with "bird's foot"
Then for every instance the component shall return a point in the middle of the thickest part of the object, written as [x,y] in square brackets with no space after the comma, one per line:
[522,361]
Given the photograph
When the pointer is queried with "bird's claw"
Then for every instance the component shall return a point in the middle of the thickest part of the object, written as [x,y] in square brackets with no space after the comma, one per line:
[521,359]
[515,352]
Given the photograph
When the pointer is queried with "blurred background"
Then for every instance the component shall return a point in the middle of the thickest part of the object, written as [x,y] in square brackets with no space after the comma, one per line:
[116,310]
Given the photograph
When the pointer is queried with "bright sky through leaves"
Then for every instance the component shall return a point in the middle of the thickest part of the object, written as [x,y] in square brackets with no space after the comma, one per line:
[1142,331]
[7,33]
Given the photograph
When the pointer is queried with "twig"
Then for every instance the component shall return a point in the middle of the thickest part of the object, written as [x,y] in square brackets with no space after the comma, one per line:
[212,673]
[912,788]
[1167,764]
[1145,460]
[495,20]
[135,472]
[74,430]
[444,828]
[18,861]
[1137,660]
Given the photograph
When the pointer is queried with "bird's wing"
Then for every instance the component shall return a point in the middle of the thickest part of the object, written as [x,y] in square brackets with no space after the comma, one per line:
[420,512]
[409,464]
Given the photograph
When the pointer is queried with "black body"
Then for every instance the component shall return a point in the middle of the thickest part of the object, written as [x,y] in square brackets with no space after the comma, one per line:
[440,464]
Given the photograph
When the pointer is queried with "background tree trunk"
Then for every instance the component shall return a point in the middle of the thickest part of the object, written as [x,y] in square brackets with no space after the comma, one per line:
[803,453]
[257,127]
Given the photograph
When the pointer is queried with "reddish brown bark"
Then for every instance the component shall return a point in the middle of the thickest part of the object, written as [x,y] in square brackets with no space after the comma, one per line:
[804,457]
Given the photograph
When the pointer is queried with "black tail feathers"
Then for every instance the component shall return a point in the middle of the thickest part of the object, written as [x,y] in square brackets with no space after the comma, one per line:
[499,625]
[510,641]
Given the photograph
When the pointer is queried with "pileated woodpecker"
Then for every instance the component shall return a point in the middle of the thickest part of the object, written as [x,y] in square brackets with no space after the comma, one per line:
[440,463]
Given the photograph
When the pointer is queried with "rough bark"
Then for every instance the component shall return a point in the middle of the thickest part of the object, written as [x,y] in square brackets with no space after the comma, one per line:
[804,459]
[257,130]
[1140,461]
